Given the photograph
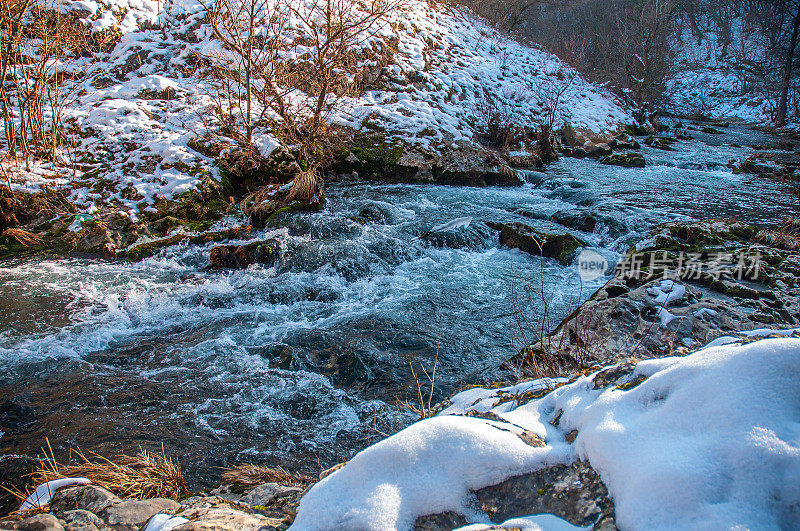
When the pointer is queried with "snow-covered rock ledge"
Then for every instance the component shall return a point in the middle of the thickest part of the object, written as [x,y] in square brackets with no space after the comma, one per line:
[710,440]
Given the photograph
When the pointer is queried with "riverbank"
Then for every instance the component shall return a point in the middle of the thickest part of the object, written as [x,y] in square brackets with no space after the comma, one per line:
[686,289]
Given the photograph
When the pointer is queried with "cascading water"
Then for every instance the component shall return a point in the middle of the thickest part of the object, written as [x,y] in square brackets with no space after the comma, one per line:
[306,360]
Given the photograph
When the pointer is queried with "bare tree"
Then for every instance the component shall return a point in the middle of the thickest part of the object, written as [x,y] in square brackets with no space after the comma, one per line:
[552,92]
[286,66]
[794,17]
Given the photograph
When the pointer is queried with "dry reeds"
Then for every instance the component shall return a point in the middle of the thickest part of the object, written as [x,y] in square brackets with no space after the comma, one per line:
[787,236]
[145,475]
[248,476]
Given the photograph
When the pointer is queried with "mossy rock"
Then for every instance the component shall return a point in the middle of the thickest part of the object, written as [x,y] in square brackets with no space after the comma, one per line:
[241,256]
[561,247]
[711,131]
[143,250]
[626,160]
[660,142]
[636,130]
[624,142]
[371,155]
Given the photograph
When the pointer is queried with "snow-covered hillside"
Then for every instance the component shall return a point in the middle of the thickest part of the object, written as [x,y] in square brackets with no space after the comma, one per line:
[706,441]
[710,80]
[141,105]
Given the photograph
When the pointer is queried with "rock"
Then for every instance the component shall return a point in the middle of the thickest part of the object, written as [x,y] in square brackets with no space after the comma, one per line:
[95,238]
[370,214]
[532,439]
[132,514]
[660,142]
[730,295]
[165,225]
[40,522]
[215,514]
[626,160]
[558,246]
[637,130]
[439,522]
[768,165]
[373,157]
[241,256]
[575,493]
[624,141]
[267,493]
[86,498]
[80,520]
[598,151]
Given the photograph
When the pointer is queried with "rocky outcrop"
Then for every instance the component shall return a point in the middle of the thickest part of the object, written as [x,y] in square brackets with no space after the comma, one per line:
[663,143]
[770,164]
[573,492]
[92,508]
[561,247]
[374,157]
[726,282]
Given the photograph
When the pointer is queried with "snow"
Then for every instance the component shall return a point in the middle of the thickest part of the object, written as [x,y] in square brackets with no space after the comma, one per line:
[702,312]
[164,522]
[457,223]
[539,522]
[707,441]
[428,468]
[139,108]
[668,292]
[43,493]
[666,317]
[707,79]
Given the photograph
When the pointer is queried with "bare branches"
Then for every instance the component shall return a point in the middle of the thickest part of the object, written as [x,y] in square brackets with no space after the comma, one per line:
[285,65]
[39,59]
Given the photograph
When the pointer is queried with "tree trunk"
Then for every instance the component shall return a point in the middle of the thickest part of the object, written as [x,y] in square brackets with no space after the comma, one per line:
[780,119]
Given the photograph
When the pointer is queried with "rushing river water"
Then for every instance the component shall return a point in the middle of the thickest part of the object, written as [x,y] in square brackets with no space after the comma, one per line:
[305,361]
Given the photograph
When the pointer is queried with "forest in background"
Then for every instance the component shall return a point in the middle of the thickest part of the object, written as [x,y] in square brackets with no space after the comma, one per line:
[637,46]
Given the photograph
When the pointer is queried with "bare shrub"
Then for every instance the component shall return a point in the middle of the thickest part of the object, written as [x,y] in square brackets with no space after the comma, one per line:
[38,68]
[496,121]
[424,390]
[286,79]
[787,236]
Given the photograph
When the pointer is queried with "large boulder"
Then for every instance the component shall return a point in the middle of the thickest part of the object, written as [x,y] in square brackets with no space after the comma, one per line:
[131,515]
[374,157]
[561,247]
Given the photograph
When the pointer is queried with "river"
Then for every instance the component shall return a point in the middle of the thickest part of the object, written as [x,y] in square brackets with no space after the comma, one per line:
[302,363]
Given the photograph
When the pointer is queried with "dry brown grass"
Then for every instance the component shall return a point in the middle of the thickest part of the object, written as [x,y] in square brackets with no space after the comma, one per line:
[23,237]
[787,236]
[145,475]
[18,208]
[247,476]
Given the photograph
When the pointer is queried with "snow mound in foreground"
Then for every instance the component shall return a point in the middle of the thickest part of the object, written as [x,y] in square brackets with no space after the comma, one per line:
[710,440]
